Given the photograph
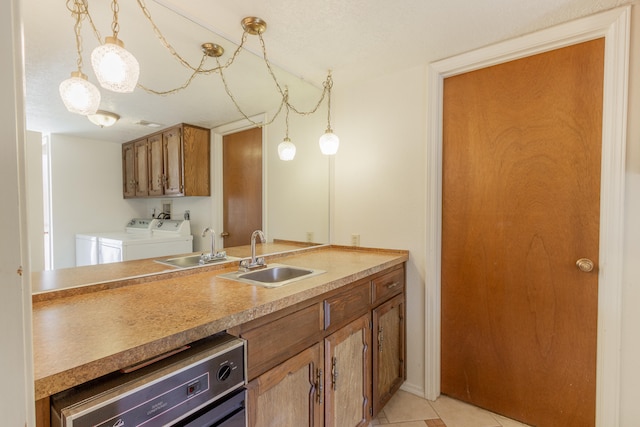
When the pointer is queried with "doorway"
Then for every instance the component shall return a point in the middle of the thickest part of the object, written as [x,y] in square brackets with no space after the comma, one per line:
[521,194]
[613,26]
[242,186]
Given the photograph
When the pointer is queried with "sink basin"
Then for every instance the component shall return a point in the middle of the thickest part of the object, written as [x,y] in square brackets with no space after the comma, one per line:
[275,275]
[192,261]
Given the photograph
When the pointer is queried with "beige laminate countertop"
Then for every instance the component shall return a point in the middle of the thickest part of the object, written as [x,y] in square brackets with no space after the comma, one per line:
[82,335]
[45,283]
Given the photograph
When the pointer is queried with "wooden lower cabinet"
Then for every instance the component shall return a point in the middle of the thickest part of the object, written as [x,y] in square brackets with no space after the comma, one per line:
[360,331]
[348,374]
[389,350]
[291,394]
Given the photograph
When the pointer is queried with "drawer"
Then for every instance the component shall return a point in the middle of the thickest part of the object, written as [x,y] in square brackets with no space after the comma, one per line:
[271,344]
[387,285]
[346,306]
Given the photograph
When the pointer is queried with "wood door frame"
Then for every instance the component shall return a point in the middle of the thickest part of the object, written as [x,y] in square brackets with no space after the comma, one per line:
[614,26]
[218,134]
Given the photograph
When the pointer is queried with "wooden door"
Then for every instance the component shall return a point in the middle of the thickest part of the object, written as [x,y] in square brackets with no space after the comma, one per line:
[389,351]
[172,143]
[128,170]
[289,394]
[348,375]
[521,196]
[242,186]
[156,165]
[142,170]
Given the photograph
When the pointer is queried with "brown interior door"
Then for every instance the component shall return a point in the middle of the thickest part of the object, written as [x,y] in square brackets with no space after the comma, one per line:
[242,186]
[521,204]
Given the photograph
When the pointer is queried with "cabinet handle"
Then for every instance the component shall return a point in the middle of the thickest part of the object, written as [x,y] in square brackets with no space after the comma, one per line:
[380,339]
[334,373]
[392,285]
[319,386]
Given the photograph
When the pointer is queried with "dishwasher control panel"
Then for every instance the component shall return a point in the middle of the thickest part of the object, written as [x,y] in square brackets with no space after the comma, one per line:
[160,393]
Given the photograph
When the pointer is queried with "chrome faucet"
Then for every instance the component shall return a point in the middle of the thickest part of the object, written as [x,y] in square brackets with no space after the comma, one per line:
[213,255]
[254,262]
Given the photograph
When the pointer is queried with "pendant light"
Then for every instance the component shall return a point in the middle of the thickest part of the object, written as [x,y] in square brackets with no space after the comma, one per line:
[329,142]
[286,149]
[103,118]
[116,68]
[78,94]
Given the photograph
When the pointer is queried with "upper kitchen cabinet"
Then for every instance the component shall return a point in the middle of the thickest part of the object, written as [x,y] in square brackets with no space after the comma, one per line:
[171,163]
[128,170]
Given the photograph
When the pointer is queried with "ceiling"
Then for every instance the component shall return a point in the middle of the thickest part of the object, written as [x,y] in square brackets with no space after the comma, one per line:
[357,39]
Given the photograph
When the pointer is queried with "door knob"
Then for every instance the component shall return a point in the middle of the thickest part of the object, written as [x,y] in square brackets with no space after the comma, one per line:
[584,264]
[224,234]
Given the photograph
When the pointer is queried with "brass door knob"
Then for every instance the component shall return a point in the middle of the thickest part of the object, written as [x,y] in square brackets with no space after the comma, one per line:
[584,264]
[224,234]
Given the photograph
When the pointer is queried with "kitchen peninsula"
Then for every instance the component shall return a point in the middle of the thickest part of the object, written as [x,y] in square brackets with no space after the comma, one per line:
[84,332]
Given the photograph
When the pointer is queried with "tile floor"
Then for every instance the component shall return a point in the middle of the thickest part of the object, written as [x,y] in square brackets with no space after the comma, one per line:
[407,410]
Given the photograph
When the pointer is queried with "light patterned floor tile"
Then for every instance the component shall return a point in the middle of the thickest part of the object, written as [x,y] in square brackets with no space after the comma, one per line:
[408,424]
[405,407]
[506,422]
[459,414]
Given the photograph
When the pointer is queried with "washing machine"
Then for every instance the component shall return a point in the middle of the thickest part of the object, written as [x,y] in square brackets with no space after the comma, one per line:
[141,238]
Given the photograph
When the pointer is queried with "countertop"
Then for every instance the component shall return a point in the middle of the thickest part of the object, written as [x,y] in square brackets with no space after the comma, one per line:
[90,331]
[44,283]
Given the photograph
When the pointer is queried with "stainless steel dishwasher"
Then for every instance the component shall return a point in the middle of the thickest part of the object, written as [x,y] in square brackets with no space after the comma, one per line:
[200,385]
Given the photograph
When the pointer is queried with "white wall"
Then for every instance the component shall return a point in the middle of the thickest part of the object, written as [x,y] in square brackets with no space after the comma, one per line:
[630,368]
[35,202]
[86,181]
[16,366]
[297,191]
[379,194]
[380,183]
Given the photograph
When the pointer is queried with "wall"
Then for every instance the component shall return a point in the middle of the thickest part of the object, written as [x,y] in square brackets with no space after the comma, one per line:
[380,183]
[630,368]
[35,199]
[16,367]
[297,191]
[86,181]
[380,187]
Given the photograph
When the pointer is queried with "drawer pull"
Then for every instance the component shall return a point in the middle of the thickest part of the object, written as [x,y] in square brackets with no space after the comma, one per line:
[380,339]
[393,285]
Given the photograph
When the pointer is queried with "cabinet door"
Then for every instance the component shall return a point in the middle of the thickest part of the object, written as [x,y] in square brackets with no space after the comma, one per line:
[156,165]
[141,168]
[128,170]
[172,142]
[290,394]
[389,351]
[348,375]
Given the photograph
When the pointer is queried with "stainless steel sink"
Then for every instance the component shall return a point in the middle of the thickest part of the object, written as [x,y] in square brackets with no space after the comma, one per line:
[193,261]
[273,276]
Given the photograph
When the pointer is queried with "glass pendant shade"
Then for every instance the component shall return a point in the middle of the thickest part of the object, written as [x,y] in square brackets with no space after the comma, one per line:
[286,150]
[329,143]
[79,95]
[103,118]
[116,68]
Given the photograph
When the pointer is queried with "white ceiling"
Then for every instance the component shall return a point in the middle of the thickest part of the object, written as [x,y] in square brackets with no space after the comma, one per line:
[356,39]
